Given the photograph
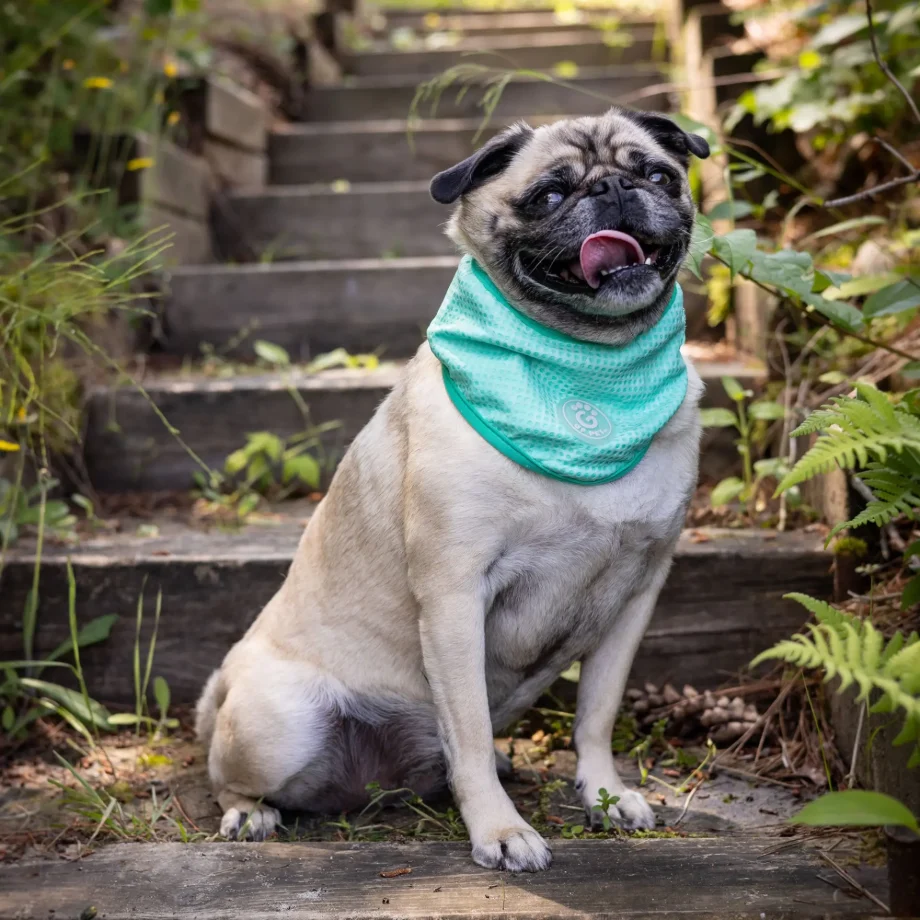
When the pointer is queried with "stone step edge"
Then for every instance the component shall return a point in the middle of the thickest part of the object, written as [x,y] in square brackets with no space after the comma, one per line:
[402,263]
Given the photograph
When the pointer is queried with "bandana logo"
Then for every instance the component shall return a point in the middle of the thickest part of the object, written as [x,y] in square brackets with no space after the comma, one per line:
[586,420]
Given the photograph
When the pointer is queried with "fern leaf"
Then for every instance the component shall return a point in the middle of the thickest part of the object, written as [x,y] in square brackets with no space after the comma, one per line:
[905,663]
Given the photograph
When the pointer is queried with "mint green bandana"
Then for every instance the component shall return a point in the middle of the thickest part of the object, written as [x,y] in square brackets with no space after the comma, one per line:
[576,411]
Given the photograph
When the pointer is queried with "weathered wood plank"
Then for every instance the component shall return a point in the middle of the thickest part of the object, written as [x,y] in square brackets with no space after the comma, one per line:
[723,602]
[308,307]
[234,166]
[540,51]
[699,878]
[127,446]
[176,180]
[187,239]
[478,21]
[236,115]
[368,221]
[590,93]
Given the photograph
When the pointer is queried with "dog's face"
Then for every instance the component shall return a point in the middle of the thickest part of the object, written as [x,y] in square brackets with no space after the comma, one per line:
[582,224]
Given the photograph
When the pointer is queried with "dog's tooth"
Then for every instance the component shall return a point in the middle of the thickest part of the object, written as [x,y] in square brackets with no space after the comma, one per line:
[648,260]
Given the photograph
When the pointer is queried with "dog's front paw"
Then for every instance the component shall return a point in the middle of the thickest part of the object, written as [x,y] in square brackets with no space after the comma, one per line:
[254,825]
[517,849]
[631,812]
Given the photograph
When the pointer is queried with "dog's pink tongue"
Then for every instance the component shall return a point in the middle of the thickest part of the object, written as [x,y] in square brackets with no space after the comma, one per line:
[606,251]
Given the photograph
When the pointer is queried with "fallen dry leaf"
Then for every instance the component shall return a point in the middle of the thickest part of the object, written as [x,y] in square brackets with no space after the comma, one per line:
[395,873]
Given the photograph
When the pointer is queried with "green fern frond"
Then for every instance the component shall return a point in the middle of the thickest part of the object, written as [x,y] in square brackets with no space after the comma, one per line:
[855,432]
[851,648]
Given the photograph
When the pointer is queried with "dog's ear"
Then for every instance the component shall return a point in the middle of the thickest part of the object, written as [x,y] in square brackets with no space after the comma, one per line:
[671,136]
[488,161]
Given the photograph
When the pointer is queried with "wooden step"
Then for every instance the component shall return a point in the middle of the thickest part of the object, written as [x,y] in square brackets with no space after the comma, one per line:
[128,448]
[747,878]
[475,23]
[494,21]
[592,92]
[362,305]
[722,604]
[375,151]
[587,48]
[353,221]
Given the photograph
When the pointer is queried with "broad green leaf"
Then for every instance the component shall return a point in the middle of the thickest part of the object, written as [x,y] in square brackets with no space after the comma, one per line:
[305,468]
[96,630]
[731,210]
[700,245]
[727,490]
[235,462]
[95,714]
[734,389]
[855,808]
[788,270]
[911,370]
[833,377]
[271,353]
[839,28]
[766,411]
[691,126]
[843,314]
[265,442]
[735,249]
[125,718]
[158,7]
[338,357]
[905,295]
[718,418]
[857,287]
[772,466]
[161,694]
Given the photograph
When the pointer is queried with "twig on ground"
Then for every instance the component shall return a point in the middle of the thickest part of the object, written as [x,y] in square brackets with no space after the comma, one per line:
[852,881]
[746,774]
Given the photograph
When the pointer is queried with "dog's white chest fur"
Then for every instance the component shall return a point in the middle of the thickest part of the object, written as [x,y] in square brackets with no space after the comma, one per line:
[562,560]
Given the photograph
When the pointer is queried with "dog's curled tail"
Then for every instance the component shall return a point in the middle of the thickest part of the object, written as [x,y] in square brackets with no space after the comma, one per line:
[206,709]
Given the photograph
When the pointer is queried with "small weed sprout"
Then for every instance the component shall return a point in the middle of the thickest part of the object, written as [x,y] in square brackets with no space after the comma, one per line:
[744,418]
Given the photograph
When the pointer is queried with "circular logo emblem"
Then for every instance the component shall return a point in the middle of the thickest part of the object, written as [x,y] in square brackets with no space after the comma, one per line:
[586,420]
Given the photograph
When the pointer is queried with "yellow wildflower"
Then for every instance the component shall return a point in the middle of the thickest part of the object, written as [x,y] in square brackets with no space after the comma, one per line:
[172,118]
[170,69]
[21,414]
[8,446]
[68,64]
[432,20]
[97,83]
[139,163]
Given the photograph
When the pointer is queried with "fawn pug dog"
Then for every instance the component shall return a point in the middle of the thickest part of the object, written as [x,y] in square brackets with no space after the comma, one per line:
[512,507]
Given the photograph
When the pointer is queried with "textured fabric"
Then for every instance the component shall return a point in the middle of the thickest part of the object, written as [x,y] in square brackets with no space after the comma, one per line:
[572,410]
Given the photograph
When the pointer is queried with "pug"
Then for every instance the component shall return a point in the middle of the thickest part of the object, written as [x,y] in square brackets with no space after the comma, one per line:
[452,571]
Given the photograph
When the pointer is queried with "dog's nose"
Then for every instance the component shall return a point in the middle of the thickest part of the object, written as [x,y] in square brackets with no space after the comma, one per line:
[610,186]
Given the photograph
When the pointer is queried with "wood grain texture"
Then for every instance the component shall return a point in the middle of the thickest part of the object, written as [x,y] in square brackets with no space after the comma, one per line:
[391,97]
[308,307]
[723,602]
[366,221]
[699,878]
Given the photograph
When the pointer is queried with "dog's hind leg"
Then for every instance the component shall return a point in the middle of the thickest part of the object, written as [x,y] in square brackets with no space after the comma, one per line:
[271,725]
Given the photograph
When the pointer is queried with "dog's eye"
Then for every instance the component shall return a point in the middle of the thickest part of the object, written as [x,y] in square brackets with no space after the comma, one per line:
[553,199]
[659,177]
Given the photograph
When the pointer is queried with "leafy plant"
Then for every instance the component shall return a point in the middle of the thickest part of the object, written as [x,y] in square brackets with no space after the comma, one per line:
[856,808]
[744,418]
[21,508]
[881,437]
[852,648]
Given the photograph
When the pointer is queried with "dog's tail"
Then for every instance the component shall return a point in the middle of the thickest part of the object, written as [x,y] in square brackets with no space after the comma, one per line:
[206,709]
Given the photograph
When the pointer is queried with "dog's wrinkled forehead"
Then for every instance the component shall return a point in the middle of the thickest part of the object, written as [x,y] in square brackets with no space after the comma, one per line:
[590,145]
